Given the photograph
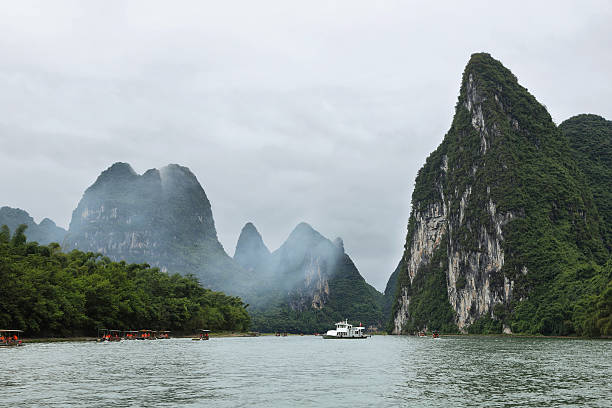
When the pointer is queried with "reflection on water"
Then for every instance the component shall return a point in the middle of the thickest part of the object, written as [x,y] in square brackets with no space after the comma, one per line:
[309,371]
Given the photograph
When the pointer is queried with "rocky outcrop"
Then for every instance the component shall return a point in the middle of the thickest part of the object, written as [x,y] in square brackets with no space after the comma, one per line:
[43,233]
[490,170]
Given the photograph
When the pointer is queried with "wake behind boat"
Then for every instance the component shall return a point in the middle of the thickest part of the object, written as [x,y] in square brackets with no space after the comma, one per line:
[344,330]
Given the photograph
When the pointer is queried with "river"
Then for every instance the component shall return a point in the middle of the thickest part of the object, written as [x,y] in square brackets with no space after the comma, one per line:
[309,371]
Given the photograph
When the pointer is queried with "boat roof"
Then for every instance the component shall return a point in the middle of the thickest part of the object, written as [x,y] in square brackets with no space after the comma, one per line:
[203,330]
[11,330]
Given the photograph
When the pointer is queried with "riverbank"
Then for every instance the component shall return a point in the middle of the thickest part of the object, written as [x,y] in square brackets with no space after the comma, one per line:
[85,338]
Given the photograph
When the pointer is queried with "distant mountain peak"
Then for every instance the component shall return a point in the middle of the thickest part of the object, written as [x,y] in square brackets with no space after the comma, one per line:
[43,233]
[47,222]
[251,252]
[304,231]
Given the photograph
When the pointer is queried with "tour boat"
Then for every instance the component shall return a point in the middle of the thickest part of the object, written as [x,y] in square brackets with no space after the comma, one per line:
[108,335]
[9,338]
[203,335]
[146,334]
[344,330]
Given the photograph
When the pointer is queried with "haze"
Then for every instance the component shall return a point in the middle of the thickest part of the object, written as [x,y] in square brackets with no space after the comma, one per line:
[319,111]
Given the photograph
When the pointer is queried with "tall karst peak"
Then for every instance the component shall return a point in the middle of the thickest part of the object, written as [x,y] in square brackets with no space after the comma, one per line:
[162,217]
[487,204]
[251,252]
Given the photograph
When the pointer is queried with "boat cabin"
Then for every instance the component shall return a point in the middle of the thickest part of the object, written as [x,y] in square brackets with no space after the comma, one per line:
[146,334]
[10,337]
[202,335]
[163,334]
[109,335]
[130,334]
[344,330]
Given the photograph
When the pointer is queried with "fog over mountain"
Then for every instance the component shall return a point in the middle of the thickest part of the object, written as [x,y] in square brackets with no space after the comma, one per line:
[320,112]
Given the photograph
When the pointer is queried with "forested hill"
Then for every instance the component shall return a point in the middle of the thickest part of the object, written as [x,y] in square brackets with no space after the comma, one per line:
[590,137]
[46,292]
[505,231]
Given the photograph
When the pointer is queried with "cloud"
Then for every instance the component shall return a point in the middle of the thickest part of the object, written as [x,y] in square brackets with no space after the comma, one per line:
[319,112]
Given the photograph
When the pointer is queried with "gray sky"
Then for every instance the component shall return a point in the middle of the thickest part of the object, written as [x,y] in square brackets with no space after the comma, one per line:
[313,111]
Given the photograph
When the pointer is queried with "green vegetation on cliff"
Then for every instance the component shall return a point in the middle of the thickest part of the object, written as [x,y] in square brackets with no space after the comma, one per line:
[590,137]
[506,174]
[46,292]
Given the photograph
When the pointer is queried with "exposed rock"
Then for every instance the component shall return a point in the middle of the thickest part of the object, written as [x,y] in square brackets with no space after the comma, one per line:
[461,204]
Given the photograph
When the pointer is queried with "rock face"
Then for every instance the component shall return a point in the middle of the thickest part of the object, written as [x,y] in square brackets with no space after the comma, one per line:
[162,217]
[307,284]
[501,183]
[43,233]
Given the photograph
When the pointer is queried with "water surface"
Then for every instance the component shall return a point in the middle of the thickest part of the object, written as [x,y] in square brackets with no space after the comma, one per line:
[309,371]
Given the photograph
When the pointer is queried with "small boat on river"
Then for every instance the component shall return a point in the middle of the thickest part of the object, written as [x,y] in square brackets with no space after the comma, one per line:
[344,330]
[10,338]
[203,335]
[109,335]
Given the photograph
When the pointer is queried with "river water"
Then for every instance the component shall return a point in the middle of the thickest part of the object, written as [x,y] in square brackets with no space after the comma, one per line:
[309,371]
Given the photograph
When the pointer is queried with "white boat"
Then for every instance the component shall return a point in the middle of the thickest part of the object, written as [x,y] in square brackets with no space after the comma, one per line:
[344,330]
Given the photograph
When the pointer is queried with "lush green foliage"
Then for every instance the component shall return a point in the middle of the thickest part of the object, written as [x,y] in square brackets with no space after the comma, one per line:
[590,137]
[46,292]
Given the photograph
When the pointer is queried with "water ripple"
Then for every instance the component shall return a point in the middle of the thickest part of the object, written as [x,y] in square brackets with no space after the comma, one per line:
[309,371]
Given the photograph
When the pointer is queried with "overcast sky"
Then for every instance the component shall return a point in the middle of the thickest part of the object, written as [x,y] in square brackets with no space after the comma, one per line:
[313,111]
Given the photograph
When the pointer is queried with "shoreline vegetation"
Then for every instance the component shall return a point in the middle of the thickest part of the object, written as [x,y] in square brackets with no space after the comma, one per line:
[46,292]
[221,335]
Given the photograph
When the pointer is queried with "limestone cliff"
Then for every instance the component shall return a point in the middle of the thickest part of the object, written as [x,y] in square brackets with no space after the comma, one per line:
[489,203]
[162,217]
